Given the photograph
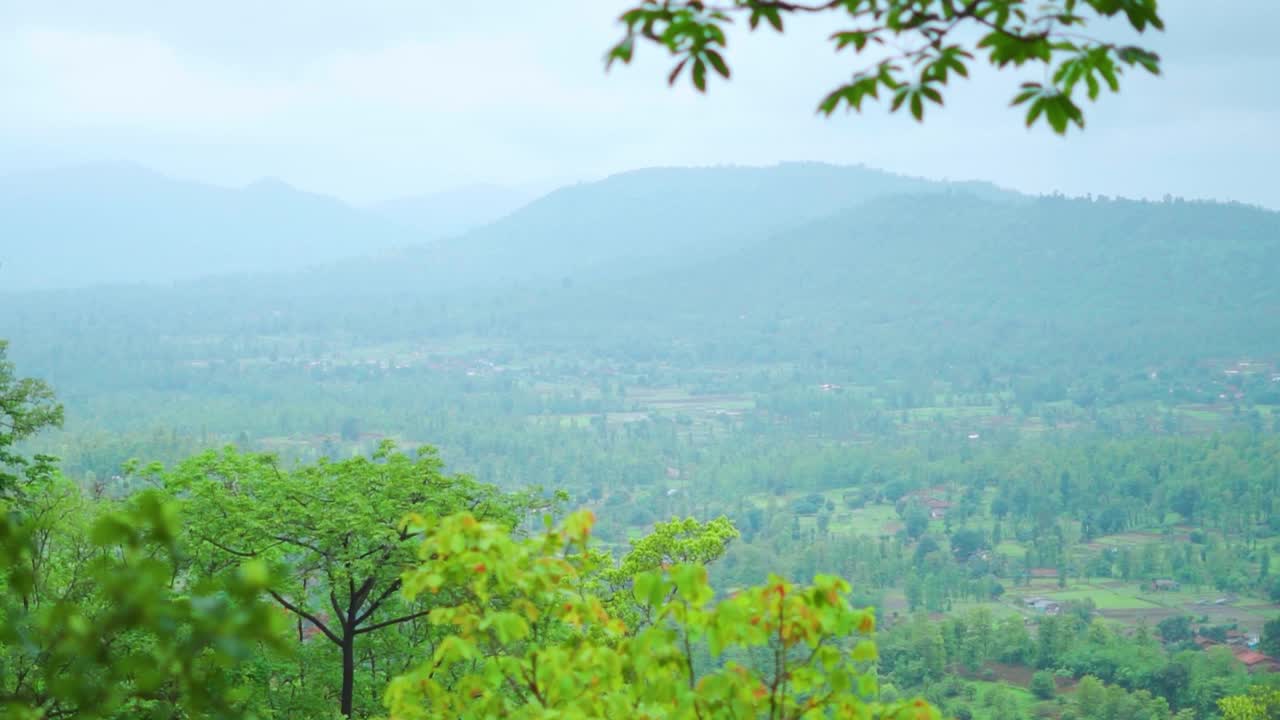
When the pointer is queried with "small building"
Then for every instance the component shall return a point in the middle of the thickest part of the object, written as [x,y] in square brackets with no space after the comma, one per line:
[1164,586]
[1044,605]
[1237,639]
[1257,662]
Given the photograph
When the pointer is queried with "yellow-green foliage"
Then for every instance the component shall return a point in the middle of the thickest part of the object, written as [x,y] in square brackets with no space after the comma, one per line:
[531,638]
[1260,704]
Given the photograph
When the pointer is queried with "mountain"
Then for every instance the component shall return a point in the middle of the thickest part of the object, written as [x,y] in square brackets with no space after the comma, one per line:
[454,212]
[957,278]
[113,224]
[780,265]
[120,224]
[649,219]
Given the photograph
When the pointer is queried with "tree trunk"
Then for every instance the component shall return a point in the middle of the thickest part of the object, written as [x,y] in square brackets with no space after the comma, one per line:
[348,671]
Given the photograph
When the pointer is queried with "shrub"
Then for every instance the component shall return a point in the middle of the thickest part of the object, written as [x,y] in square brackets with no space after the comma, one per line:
[1042,685]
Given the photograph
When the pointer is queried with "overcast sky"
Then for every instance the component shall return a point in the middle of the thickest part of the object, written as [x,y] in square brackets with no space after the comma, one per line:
[375,99]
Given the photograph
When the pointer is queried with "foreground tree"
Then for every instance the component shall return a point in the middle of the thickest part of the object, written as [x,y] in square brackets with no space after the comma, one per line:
[27,406]
[914,48]
[528,640]
[676,542]
[334,531]
[93,626]
[1261,703]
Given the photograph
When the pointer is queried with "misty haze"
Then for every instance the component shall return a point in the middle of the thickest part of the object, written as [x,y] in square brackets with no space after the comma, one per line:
[897,359]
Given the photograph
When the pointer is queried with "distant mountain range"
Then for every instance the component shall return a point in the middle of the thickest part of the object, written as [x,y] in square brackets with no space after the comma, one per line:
[454,212]
[794,260]
[122,224]
[645,221]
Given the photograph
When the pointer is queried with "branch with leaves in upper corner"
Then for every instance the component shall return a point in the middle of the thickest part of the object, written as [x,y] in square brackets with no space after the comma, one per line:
[914,48]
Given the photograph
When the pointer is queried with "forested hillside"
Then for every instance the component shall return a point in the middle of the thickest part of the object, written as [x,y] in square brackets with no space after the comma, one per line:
[1037,434]
[796,264]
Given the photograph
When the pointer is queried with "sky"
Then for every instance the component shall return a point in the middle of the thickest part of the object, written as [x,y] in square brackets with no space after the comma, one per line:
[384,98]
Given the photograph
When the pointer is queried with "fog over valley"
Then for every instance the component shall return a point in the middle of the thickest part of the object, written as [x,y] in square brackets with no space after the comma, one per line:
[856,359]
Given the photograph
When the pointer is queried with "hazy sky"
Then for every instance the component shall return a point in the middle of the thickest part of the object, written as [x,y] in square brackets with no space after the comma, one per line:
[374,99]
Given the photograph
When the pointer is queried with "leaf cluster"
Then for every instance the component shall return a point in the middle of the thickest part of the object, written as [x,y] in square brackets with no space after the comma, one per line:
[915,48]
[529,639]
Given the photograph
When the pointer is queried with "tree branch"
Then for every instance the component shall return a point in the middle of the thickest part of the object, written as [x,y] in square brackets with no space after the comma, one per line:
[229,550]
[301,544]
[378,602]
[304,614]
[395,621]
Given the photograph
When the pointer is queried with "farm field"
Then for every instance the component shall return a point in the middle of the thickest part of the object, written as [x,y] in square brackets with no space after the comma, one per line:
[1131,604]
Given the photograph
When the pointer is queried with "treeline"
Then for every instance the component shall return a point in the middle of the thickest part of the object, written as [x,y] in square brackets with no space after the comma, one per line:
[1120,674]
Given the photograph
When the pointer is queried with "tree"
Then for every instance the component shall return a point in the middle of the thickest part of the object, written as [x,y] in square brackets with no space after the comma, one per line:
[526,641]
[27,406]
[920,45]
[336,531]
[1260,703]
[1186,502]
[1013,642]
[915,519]
[1052,639]
[1270,642]
[1091,696]
[1113,520]
[1175,629]
[999,507]
[1001,704]
[1042,685]
[926,547]
[675,542]
[120,641]
[966,542]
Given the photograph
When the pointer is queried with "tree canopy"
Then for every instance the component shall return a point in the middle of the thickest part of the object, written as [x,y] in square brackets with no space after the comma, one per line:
[337,532]
[27,406]
[909,51]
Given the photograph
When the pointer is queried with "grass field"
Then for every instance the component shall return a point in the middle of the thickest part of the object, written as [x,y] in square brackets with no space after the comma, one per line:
[1011,549]
[872,520]
[1105,598]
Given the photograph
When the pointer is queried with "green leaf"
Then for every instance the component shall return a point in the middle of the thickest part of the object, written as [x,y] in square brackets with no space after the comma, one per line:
[700,75]
[718,63]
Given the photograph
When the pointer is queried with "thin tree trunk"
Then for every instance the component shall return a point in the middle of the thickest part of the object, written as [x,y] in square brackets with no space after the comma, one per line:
[348,671]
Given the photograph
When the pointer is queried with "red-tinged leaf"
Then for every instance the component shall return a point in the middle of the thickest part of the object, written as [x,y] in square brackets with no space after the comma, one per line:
[675,71]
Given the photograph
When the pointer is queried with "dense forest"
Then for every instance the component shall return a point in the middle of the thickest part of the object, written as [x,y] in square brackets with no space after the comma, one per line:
[1031,443]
